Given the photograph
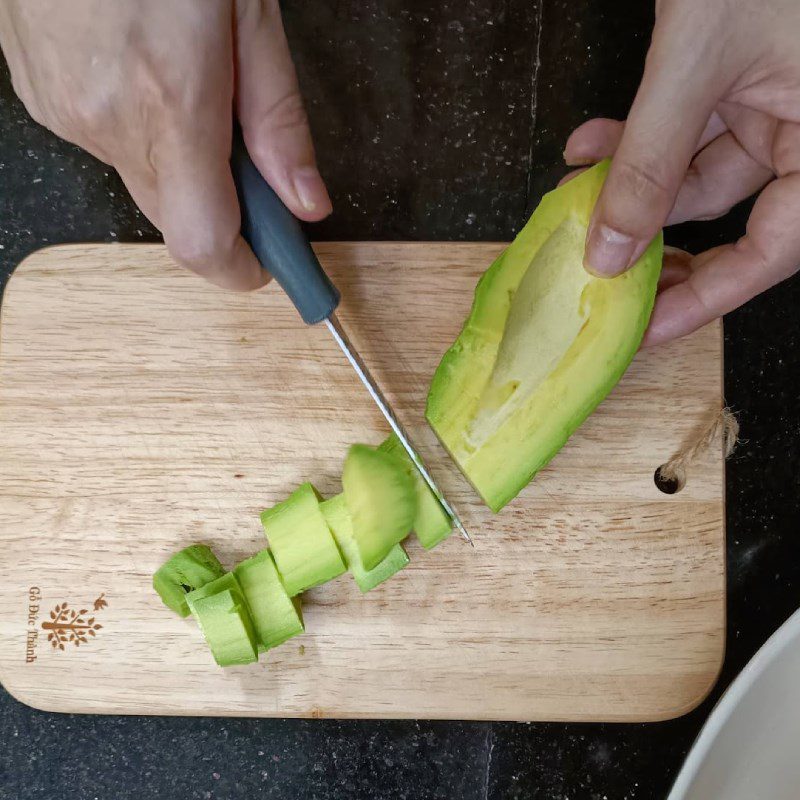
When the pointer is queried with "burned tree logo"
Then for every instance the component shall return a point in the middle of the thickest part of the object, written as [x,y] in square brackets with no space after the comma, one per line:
[68,626]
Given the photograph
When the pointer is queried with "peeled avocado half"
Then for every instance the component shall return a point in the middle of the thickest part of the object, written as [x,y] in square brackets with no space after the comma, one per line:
[544,343]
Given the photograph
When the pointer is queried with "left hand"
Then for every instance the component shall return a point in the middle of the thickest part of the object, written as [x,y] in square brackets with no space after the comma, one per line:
[716,118]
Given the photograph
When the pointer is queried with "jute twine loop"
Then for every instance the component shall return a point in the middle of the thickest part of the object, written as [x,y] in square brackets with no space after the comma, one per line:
[724,427]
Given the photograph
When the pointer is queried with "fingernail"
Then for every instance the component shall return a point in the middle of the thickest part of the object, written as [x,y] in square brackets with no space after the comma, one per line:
[677,256]
[576,160]
[608,252]
[311,191]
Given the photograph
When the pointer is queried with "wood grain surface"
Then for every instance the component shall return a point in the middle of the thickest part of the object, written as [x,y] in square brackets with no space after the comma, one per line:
[142,410]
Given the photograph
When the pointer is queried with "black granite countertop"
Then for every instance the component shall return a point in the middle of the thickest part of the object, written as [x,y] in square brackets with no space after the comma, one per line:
[432,121]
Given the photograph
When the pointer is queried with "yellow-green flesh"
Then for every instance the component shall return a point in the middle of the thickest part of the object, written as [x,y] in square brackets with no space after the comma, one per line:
[301,543]
[543,345]
[431,523]
[189,569]
[276,616]
[338,518]
[224,619]
[381,499]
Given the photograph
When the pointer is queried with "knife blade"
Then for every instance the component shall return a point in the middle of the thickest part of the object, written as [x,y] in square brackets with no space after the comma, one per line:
[372,387]
[283,249]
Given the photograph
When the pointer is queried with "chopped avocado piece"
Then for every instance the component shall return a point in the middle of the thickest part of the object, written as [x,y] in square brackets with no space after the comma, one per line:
[304,550]
[184,572]
[221,584]
[338,519]
[225,621]
[381,499]
[544,343]
[431,523]
[276,616]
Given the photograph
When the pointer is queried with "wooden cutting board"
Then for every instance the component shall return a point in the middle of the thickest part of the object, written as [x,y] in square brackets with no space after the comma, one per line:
[143,410]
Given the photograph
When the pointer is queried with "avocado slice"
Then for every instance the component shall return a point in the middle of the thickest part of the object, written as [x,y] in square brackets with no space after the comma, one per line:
[304,550]
[276,617]
[225,622]
[544,343]
[338,518]
[381,500]
[431,523]
[183,572]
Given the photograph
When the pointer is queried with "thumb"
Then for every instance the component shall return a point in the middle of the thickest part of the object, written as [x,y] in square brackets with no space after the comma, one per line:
[676,97]
[270,110]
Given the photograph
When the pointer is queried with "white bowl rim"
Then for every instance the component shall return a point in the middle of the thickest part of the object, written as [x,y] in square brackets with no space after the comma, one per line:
[725,706]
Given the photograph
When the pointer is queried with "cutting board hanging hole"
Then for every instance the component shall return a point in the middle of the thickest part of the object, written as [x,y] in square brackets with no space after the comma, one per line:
[665,484]
[670,477]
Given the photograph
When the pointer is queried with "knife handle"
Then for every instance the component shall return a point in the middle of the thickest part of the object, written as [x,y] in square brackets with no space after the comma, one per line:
[278,241]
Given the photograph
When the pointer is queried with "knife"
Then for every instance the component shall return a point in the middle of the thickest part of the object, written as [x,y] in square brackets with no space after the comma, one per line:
[280,245]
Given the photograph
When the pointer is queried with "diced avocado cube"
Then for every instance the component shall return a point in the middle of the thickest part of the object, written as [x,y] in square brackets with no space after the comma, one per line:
[184,572]
[304,550]
[431,522]
[381,499]
[225,623]
[276,616]
[338,519]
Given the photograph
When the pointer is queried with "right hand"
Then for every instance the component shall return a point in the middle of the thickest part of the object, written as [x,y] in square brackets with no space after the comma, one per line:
[150,88]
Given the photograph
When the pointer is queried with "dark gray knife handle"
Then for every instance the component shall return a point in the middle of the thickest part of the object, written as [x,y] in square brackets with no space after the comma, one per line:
[278,241]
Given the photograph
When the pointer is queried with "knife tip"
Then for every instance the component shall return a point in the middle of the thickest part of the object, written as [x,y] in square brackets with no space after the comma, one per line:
[463,531]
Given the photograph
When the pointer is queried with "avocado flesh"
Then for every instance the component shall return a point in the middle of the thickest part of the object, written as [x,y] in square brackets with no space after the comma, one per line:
[338,518]
[189,569]
[381,500]
[223,583]
[304,550]
[431,523]
[225,622]
[544,343]
[276,616]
